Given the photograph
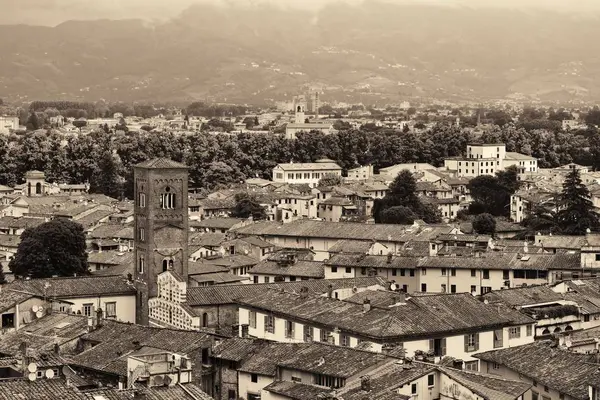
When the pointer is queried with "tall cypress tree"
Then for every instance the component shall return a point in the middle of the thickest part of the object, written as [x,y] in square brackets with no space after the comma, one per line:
[576,211]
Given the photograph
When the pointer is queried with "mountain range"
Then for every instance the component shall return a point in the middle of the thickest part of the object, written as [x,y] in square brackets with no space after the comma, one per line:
[372,51]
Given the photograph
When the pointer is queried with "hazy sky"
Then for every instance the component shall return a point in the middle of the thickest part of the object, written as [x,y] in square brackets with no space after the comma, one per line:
[52,12]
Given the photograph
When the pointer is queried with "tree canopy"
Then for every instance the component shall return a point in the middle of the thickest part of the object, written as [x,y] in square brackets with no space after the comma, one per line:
[247,206]
[55,248]
[484,224]
[576,211]
[491,194]
[402,197]
[330,180]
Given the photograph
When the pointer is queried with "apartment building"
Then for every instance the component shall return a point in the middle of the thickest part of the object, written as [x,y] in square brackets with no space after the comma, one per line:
[305,173]
[487,159]
[444,325]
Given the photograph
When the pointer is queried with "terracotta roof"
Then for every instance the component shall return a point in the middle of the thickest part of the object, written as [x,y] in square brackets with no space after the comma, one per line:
[116,342]
[295,390]
[564,371]
[307,269]
[490,387]
[187,391]
[81,286]
[351,246]
[344,230]
[161,163]
[385,381]
[217,223]
[219,278]
[418,317]
[10,298]
[20,222]
[524,296]
[43,389]
[212,295]
[309,166]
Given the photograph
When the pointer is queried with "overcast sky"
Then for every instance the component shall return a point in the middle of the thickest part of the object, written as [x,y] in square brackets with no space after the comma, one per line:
[52,12]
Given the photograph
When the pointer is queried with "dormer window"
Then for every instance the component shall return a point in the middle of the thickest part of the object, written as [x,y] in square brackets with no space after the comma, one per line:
[167,199]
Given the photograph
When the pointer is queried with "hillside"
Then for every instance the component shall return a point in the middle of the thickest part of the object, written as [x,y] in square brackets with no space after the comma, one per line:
[251,54]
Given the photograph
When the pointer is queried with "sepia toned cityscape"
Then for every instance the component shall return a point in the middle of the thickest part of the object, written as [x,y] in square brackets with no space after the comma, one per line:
[315,200]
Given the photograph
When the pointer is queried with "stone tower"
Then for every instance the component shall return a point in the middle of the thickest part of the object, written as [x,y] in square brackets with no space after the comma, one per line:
[35,183]
[161,226]
[299,109]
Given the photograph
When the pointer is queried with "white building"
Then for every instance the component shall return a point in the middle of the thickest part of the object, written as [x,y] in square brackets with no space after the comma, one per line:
[8,123]
[300,124]
[487,159]
[305,173]
[444,325]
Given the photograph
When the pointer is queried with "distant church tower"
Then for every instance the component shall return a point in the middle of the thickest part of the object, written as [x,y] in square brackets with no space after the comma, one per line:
[299,109]
[161,226]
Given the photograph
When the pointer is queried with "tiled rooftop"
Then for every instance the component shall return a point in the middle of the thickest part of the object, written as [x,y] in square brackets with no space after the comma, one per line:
[213,295]
[417,317]
[161,163]
[296,390]
[307,269]
[81,286]
[339,230]
[564,371]
[523,296]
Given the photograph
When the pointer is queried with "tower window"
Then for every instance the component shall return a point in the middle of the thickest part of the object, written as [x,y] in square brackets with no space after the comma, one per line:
[142,200]
[167,264]
[141,265]
[142,234]
[167,199]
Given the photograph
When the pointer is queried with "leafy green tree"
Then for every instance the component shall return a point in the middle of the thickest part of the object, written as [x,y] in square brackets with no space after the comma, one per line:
[430,213]
[576,211]
[330,180]
[484,224]
[53,248]
[398,215]
[247,206]
[491,194]
[541,219]
[107,179]
[33,122]
[79,123]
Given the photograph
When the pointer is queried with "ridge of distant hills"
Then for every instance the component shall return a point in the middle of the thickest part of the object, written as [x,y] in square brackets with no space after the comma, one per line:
[358,52]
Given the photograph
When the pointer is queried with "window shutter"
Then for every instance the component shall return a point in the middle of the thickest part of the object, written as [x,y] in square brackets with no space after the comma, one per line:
[266,322]
[443,347]
[476,341]
[466,343]
[431,344]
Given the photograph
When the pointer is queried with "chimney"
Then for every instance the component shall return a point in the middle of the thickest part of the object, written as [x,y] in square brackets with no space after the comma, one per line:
[401,297]
[365,383]
[121,383]
[244,330]
[330,291]
[99,317]
[139,395]
[56,348]
[23,353]
[525,247]
[367,305]
[389,258]
[129,278]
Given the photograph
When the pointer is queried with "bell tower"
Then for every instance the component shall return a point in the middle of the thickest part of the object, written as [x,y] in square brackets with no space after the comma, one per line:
[161,226]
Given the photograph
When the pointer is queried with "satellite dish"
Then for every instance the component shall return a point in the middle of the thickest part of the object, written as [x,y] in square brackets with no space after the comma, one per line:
[39,314]
[168,380]
[32,367]
[66,370]
[35,308]
[394,287]
[49,374]
[159,380]
[32,377]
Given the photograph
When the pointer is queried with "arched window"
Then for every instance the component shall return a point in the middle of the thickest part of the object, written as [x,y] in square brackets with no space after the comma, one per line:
[38,188]
[29,188]
[141,265]
[167,199]
[557,330]
[568,328]
[545,332]
[167,264]
[205,320]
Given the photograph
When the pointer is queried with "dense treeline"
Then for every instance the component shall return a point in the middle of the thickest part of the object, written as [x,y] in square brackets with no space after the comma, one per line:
[105,159]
